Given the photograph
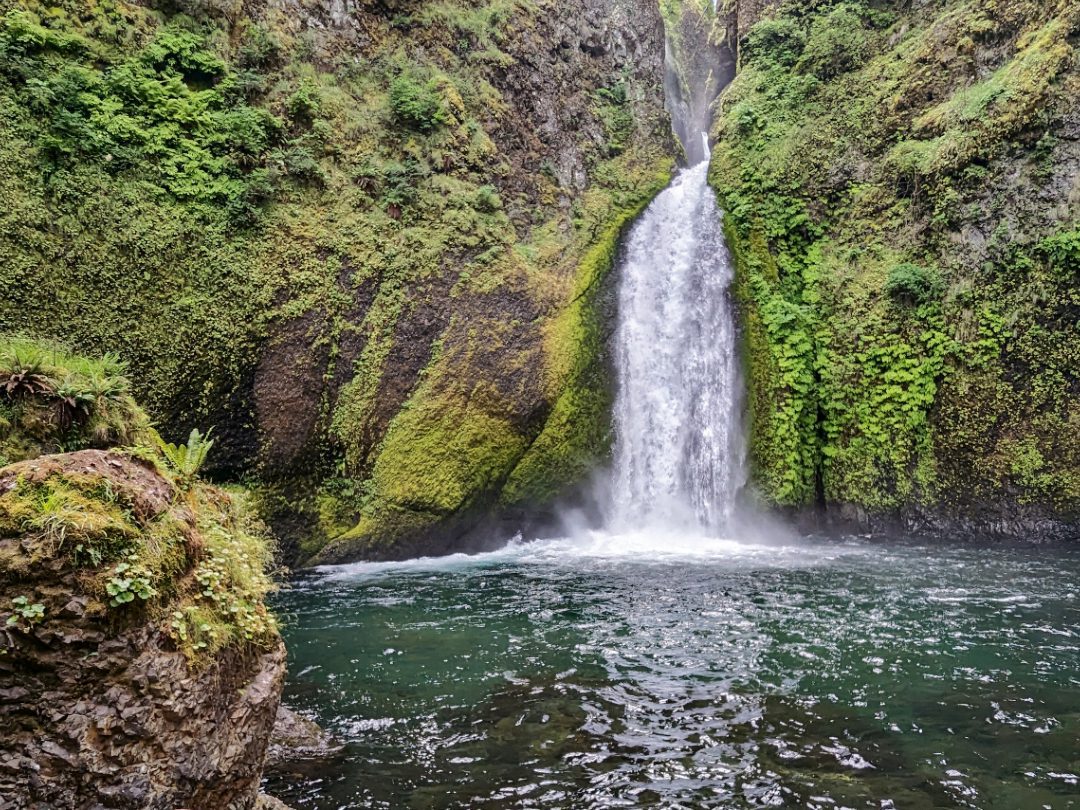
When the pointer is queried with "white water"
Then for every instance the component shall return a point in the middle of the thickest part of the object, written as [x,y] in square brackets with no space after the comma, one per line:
[600,549]
[679,453]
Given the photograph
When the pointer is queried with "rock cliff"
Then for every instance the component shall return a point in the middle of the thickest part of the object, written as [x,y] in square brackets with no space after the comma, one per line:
[364,240]
[900,187]
[139,667]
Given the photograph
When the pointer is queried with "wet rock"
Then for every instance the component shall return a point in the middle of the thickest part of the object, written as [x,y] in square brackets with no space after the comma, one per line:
[98,707]
[297,738]
[120,744]
[265,802]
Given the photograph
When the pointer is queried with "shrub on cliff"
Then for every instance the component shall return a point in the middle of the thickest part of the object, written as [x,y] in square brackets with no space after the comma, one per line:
[417,103]
[167,109]
[939,130]
[911,284]
[837,43]
[187,459]
[775,41]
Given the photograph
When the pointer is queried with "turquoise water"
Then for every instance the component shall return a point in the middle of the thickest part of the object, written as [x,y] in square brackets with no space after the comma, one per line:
[675,672]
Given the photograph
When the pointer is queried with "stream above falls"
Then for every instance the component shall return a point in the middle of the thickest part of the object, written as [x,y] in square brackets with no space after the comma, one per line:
[681,671]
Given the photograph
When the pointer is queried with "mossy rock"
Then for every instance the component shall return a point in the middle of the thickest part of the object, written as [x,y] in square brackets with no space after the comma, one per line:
[888,217]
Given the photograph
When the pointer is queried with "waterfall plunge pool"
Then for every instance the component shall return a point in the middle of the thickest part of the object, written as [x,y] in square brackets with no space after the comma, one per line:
[688,672]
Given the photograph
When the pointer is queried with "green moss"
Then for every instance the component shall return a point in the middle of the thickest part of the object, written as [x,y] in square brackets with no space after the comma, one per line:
[774,41]
[778,353]
[450,449]
[837,42]
[221,601]
[979,119]
[889,363]
[911,284]
[576,432]
[441,452]
[183,190]
[52,399]
[62,517]
[199,562]
[203,566]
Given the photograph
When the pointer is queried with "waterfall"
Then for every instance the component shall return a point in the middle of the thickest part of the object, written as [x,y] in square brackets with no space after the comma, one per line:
[679,455]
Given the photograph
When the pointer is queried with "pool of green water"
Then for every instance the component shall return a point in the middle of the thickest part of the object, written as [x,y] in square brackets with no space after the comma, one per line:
[668,672]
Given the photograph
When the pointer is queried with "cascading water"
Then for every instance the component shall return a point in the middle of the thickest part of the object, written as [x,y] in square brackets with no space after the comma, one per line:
[679,449]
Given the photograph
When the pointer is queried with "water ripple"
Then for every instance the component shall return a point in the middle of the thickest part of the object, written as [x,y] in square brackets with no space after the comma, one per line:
[600,673]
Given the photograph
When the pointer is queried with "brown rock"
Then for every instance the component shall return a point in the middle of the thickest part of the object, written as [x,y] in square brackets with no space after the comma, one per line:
[98,709]
[135,482]
[296,738]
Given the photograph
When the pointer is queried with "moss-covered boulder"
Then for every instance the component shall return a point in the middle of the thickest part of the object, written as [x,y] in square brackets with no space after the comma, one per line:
[52,400]
[139,666]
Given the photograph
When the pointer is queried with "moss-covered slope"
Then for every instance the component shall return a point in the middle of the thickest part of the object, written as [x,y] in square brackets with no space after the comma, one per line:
[900,188]
[343,237]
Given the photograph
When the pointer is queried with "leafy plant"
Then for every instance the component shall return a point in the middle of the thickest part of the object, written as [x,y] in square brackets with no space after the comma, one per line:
[417,103]
[128,581]
[187,459]
[90,551]
[24,380]
[487,200]
[166,109]
[72,404]
[778,41]
[616,116]
[837,43]
[25,613]
[911,284]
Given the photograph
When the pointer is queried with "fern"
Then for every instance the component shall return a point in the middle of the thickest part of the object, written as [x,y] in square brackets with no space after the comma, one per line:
[187,459]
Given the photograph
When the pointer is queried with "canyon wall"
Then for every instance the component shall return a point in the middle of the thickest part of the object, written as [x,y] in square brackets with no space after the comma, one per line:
[365,241]
[901,186]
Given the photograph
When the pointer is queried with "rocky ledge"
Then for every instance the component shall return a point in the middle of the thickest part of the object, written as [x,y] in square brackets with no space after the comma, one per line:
[139,666]
[101,704]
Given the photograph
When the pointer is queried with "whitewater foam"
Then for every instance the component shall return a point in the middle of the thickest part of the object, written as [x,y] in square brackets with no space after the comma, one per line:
[678,459]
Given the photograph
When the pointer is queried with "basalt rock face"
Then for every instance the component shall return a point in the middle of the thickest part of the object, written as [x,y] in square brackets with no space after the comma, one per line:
[298,739]
[700,61]
[104,703]
[130,726]
[900,193]
[745,14]
[385,223]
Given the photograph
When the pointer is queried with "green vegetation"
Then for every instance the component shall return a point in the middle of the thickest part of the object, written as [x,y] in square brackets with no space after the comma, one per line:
[187,459]
[913,285]
[128,581]
[192,191]
[423,104]
[25,614]
[837,42]
[206,558]
[115,527]
[52,400]
[577,431]
[910,324]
